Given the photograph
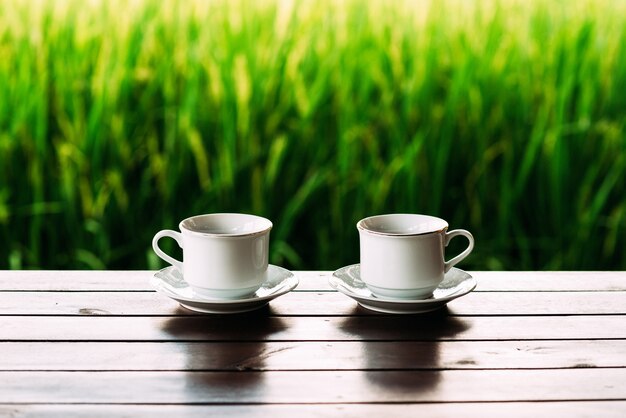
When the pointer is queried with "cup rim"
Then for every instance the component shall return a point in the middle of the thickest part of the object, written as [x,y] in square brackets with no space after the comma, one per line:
[362,225]
[266,228]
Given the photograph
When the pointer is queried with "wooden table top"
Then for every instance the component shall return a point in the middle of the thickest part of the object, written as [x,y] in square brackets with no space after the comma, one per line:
[76,343]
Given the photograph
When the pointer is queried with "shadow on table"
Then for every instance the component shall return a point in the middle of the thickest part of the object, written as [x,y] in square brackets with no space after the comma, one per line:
[233,343]
[405,367]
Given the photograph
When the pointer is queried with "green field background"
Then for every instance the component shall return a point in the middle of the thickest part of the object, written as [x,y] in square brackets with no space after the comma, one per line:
[120,118]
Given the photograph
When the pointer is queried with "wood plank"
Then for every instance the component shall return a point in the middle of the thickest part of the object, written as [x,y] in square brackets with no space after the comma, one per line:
[70,280]
[314,386]
[77,280]
[311,303]
[260,327]
[323,355]
[550,281]
[605,409]
[511,281]
[112,280]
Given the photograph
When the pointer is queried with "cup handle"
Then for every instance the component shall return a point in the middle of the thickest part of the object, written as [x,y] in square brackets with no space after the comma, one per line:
[179,240]
[451,234]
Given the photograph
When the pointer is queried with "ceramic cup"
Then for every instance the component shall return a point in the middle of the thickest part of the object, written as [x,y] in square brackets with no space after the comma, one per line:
[225,255]
[402,255]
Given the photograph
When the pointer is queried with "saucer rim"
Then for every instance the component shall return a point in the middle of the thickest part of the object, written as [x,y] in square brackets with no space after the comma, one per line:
[219,311]
[200,299]
[426,301]
[421,310]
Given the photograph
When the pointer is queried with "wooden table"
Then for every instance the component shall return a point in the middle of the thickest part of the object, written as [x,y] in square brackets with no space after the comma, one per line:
[104,344]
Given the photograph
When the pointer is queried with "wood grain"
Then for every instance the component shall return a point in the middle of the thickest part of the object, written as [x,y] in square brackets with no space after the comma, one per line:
[314,386]
[257,327]
[550,281]
[605,409]
[76,280]
[306,355]
[523,344]
[311,303]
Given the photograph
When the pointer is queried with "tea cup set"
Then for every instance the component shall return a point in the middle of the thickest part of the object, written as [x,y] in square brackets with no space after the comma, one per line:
[225,270]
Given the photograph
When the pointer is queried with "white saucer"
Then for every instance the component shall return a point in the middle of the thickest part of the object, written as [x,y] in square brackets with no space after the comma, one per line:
[171,283]
[347,280]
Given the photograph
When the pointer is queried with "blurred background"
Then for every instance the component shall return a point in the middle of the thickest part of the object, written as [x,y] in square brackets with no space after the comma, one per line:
[121,118]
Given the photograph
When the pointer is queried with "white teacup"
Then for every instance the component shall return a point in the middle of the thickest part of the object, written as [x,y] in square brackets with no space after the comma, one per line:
[225,255]
[402,255]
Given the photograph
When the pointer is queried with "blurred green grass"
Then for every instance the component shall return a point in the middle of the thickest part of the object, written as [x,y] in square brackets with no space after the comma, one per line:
[118,119]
